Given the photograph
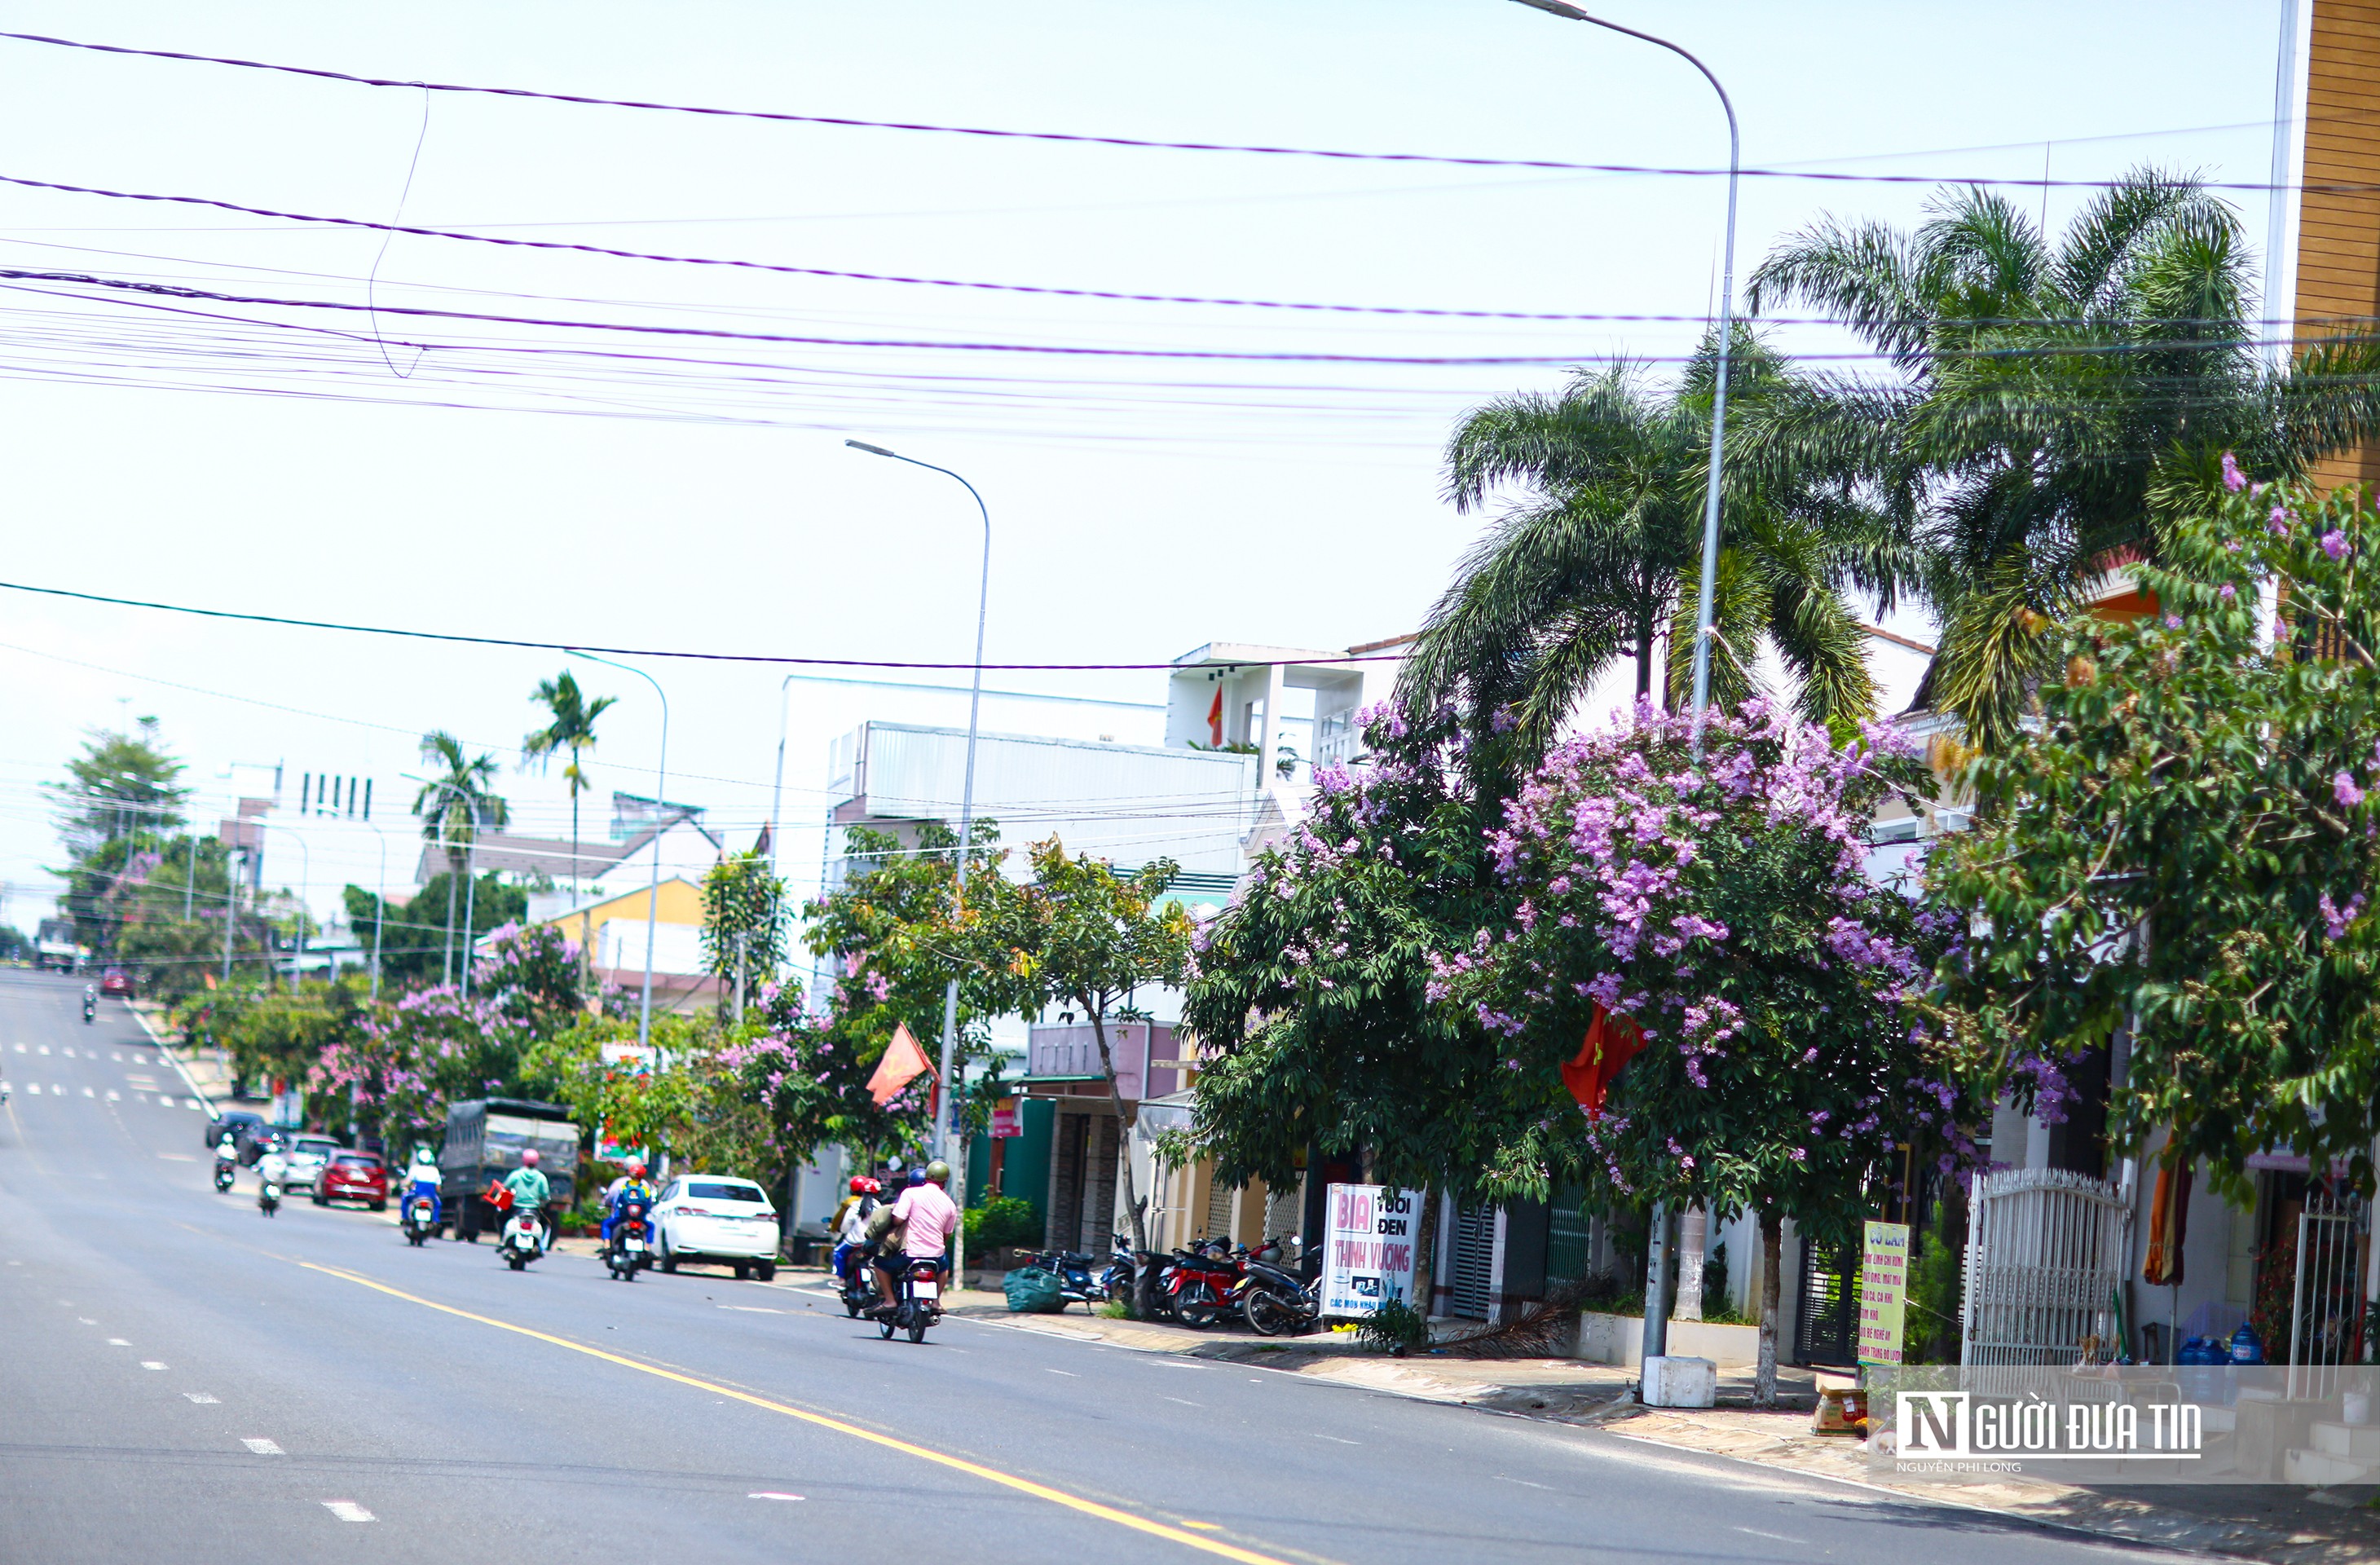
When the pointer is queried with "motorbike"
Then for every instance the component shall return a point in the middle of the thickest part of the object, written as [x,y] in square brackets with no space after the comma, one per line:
[1200,1285]
[90,1011]
[420,1218]
[629,1253]
[1116,1282]
[1274,1300]
[918,1284]
[1073,1270]
[225,1169]
[859,1294]
[523,1241]
[268,1196]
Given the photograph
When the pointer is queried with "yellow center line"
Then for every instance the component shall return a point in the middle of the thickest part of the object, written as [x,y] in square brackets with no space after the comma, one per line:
[923,1453]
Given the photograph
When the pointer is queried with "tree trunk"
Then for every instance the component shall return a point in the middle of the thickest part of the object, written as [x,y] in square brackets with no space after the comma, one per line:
[470,893]
[1425,1286]
[1144,1276]
[1644,655]
[1772,1251]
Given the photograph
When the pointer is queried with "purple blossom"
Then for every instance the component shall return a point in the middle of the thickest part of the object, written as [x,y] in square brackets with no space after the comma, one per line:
[2334,543]
[2343,789]
[2335,919]
[2233,480]
[2173,622]
[2226,592]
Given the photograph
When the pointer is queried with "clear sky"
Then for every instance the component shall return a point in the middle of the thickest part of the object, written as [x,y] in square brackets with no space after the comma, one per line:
[508,480]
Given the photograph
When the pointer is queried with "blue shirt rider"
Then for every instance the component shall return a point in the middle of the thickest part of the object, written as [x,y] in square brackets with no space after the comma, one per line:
[635,1187]
[421,1177]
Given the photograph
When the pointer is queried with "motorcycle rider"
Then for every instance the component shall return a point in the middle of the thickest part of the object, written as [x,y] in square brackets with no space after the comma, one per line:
[421,1177]
[925,1216]
[530,1192]
[273,1167]
[89,1001]
[228,1153]
[635,1187]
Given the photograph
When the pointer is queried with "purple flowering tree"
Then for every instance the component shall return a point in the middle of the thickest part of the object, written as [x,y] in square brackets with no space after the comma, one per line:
[2187,847]
[1721,902]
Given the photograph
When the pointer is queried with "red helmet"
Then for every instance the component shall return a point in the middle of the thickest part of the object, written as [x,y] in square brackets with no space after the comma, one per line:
[636,1171]
[875,1188]
[529,1159]
[859,1183]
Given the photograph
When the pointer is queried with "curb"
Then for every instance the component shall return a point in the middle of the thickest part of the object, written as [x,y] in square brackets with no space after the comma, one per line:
[163,1047]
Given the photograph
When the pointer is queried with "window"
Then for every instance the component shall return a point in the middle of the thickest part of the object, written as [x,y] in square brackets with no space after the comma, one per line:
[708,1190]
[358,1160]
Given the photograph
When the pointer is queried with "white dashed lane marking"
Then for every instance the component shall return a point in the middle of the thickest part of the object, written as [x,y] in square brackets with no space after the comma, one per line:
[199,1396]
[43,1049]
[769,1494]
[114,1096]
[151,1364]
[264,1448]
[348,1510]
[118,1343]
[88,1093]
[33,1089]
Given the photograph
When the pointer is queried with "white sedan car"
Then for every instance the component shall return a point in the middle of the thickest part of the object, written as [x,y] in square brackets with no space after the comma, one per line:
[711,1218]
[306,1155]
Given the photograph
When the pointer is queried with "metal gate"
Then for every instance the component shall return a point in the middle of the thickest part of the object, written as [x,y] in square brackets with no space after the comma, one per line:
[1826,1327]
[2046,1253]
[1474,1258]
[2326,1300]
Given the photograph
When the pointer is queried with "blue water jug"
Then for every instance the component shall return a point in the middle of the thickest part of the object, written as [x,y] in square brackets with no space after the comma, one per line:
[2246,1346]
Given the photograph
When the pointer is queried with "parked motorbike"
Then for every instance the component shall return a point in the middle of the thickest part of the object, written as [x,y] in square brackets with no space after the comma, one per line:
[1201,1286]
[1116,1282]
[421,1218]
[268,1196]
[225,1169]
[1273,1300]
[629,1252]
[1073,1270]
[918,1286]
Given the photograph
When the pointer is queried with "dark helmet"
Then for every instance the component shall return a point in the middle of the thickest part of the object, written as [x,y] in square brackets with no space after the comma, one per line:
[917,1178]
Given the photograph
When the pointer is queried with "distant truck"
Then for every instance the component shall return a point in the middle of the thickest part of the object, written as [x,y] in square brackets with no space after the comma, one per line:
[55,949]
[485,1138]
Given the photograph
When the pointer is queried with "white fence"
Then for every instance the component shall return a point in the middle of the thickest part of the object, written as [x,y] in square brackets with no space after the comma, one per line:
[2046,1253]
[2326,1321]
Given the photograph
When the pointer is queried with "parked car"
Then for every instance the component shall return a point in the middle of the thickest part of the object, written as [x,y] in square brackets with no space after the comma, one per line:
[353,1176]
[115,981]
[239,1121]
[707,1217]
[306,1155]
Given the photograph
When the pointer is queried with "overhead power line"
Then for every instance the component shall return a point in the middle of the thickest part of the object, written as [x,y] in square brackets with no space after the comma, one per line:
[1139,142]
[649,651]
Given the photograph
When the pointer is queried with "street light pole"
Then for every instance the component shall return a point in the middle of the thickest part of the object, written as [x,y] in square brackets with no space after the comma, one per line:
[653,888]
[379,903]
[943,1140]
[1656,1281]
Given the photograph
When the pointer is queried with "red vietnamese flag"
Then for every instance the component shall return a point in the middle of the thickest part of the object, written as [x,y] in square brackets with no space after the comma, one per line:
[1612,1042]
[1215,720]
[903,1063]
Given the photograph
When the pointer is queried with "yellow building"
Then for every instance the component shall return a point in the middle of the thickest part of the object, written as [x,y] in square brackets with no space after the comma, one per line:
[612,931]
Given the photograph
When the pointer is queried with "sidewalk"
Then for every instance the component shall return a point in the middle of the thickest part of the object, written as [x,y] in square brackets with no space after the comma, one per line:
[2273,1522]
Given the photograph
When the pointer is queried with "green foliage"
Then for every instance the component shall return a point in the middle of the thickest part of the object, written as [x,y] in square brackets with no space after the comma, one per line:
[743,919]
[2051,402]
[2185,849]
[1937,1282]
[572,730]
[122,785]
[1310,991]
[1083,938]
[1001,1222]
[1719,901]
[14,946]
[1396,1328]
[278,1033]
[415,938]
[1601,556]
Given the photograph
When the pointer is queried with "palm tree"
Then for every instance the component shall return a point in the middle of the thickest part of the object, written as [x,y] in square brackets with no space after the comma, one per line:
[2055,408]
[1599,557]
[453,808]
[573,729]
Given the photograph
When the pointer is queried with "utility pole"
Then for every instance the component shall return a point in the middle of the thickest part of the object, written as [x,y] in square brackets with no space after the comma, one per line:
[1656,1273]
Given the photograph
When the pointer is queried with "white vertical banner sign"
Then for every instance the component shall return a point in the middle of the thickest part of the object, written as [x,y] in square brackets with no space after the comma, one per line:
[1367,1247]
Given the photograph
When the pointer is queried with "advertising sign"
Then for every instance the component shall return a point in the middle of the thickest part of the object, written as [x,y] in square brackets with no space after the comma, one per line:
[1367,1246]
[1883,1292]
[1007,1119]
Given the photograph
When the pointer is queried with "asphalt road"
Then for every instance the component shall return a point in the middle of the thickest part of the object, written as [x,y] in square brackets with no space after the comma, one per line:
[181,1378]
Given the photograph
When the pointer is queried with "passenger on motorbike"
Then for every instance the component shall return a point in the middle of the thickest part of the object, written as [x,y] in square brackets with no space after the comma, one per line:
[530,1191]
[273,1167]
[635,1187]
[421,1177]
[851,1222]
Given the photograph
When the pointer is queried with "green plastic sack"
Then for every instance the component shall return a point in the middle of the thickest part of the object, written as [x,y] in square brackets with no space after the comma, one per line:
[1032,1291]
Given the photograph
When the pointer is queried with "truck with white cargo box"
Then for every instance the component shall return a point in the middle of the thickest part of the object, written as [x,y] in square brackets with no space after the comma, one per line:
[485,1138]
